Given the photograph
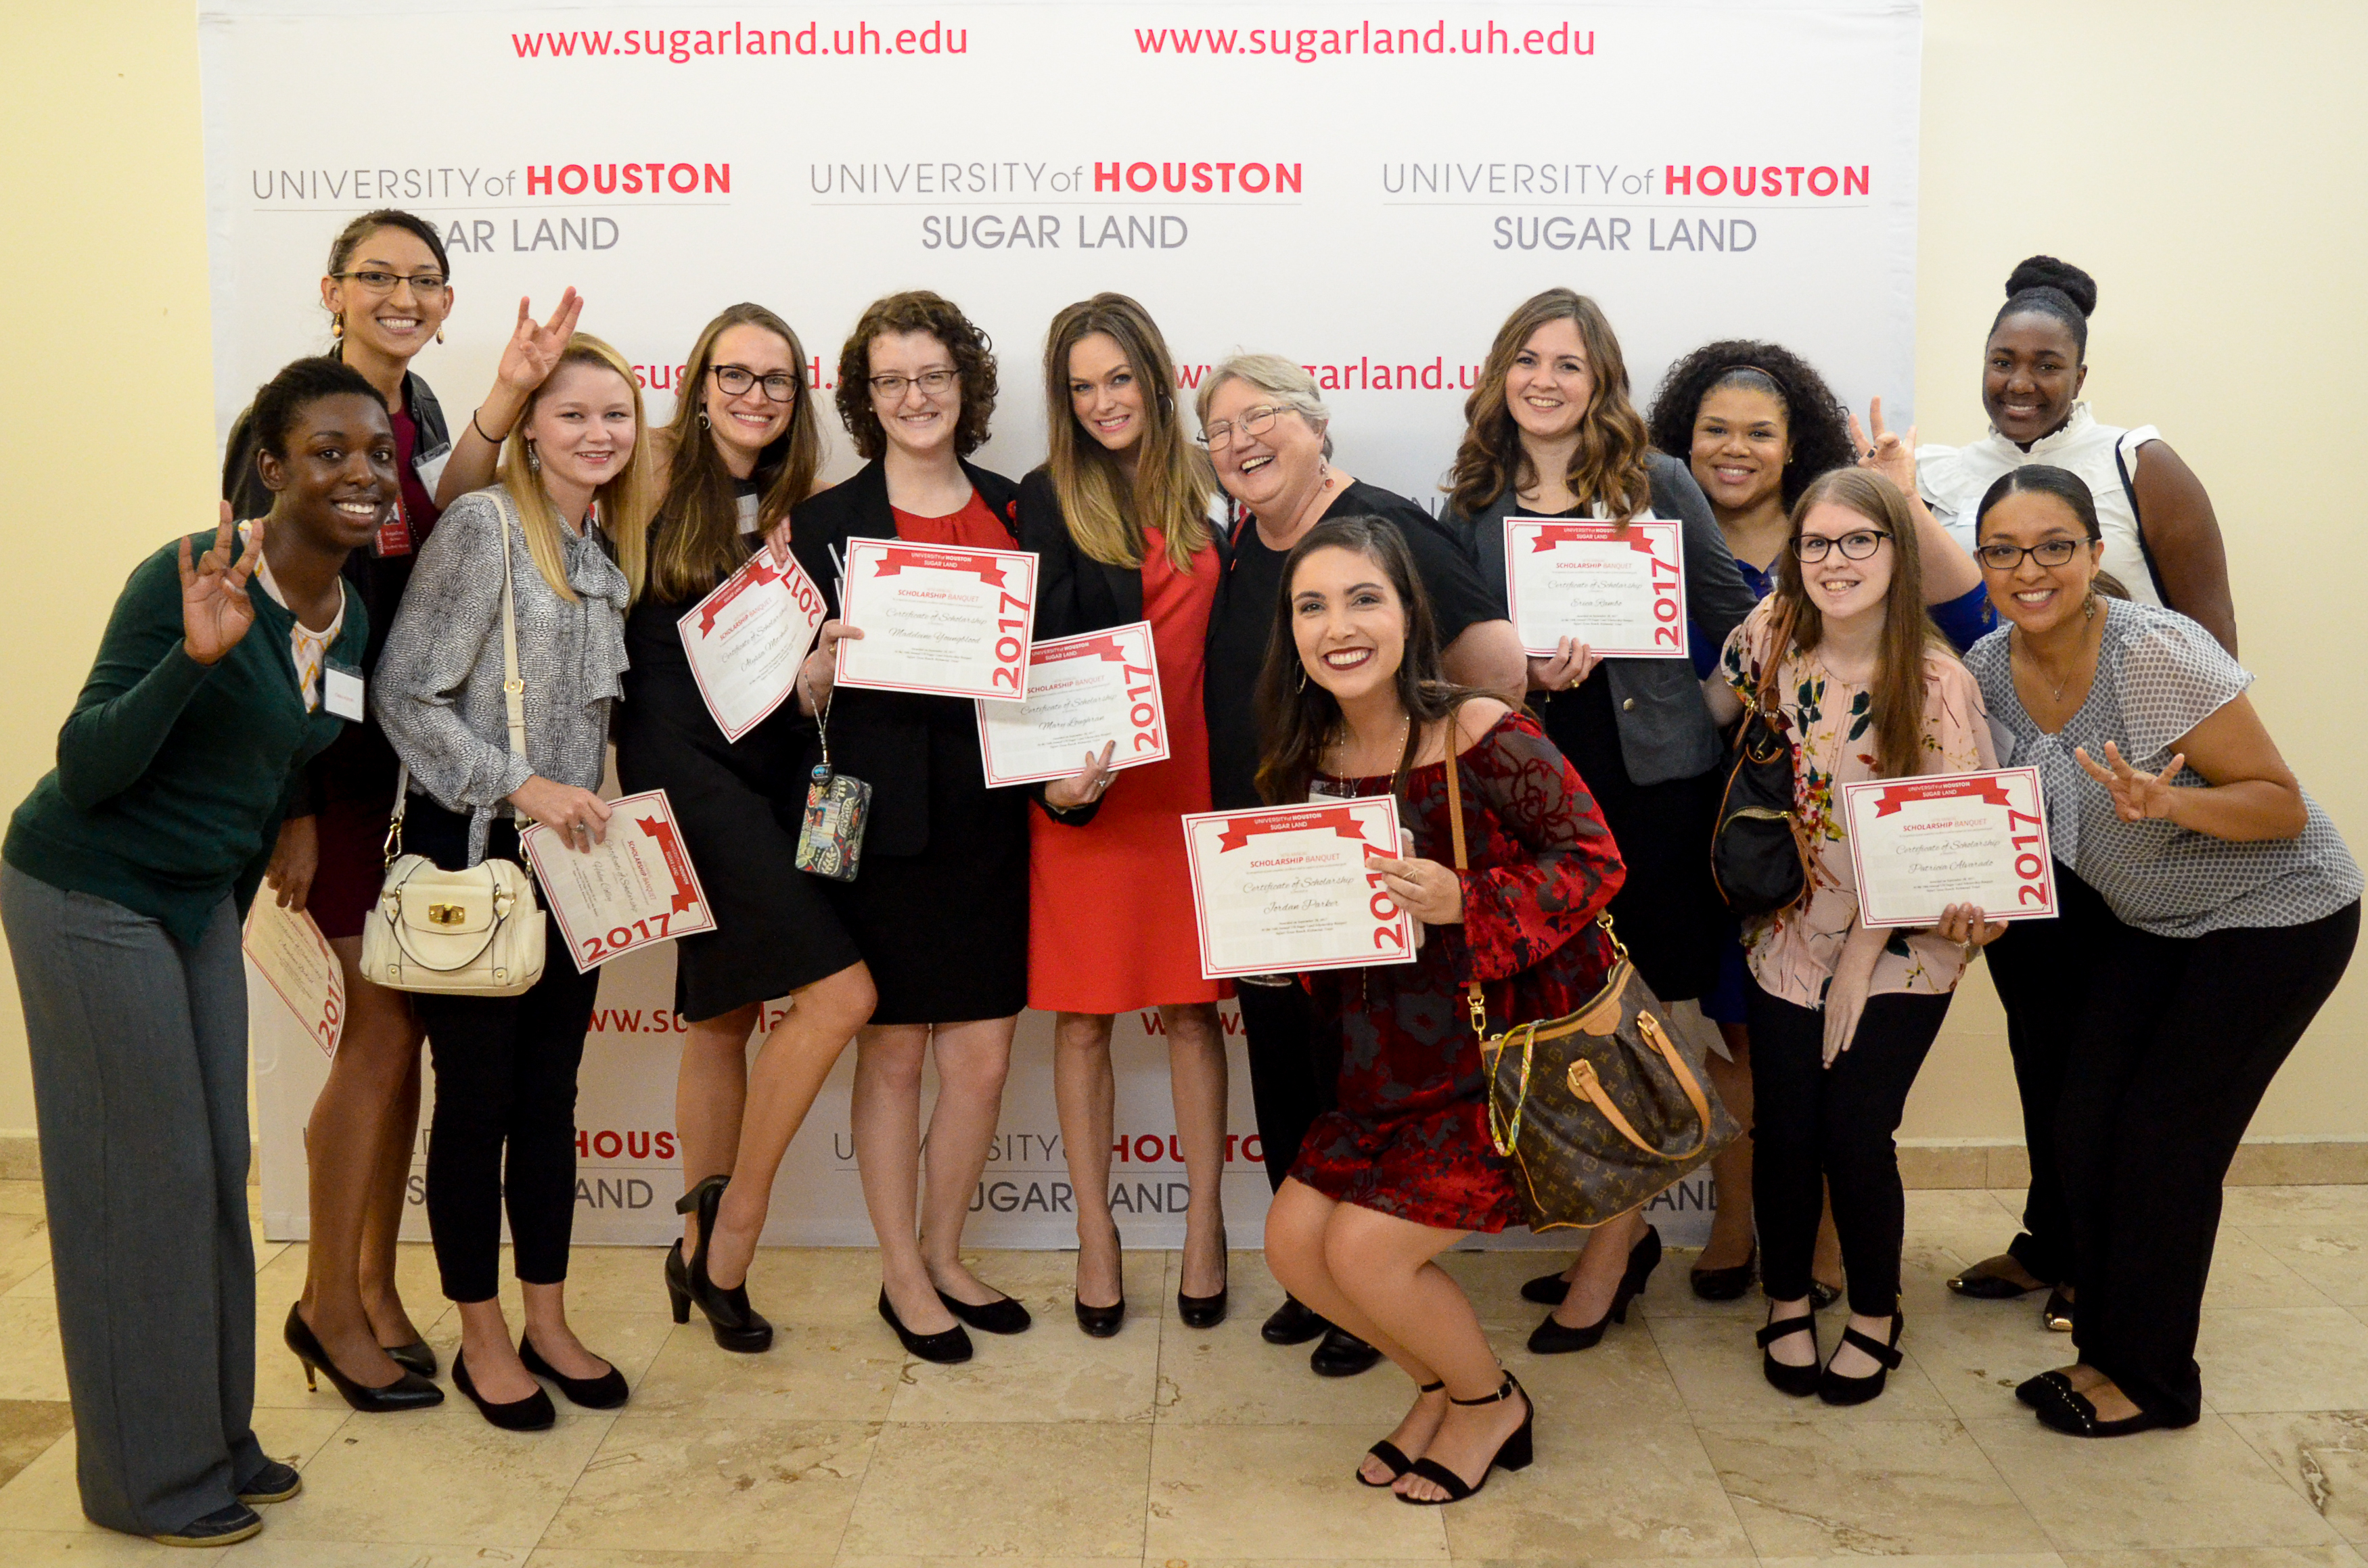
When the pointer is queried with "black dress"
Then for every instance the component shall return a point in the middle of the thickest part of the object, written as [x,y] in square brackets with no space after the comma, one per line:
[738,804]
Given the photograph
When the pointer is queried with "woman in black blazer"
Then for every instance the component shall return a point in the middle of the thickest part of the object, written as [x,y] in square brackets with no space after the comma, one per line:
[938,907]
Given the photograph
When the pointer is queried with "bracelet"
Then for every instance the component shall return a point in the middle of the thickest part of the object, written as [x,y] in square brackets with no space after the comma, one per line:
[493,440]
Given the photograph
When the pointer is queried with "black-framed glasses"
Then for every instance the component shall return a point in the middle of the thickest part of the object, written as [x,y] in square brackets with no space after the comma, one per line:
[1856,545]
[2047,552]
[933,383]
[1254,422]
[375,282]
[735,379]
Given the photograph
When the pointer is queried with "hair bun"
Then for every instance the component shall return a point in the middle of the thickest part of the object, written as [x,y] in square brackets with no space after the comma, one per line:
[2047,272]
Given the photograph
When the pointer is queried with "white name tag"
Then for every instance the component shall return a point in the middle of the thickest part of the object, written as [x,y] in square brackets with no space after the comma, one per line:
[341,692]
[430,469]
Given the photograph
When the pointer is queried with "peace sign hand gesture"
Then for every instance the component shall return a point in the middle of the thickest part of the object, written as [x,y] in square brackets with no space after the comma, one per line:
[215,610]
[1889,453]
[2137,796]
[532,352]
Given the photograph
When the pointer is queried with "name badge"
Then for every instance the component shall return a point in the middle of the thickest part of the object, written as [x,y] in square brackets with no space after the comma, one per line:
[341,692]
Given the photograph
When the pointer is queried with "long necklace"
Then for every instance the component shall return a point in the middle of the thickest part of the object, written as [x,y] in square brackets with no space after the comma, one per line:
[1338,745]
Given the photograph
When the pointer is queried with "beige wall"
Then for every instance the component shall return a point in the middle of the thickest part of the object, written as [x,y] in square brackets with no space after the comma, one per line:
[2196,158]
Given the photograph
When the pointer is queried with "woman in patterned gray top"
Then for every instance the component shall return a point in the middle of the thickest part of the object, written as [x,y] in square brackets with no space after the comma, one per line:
[2230,910]
[566,525]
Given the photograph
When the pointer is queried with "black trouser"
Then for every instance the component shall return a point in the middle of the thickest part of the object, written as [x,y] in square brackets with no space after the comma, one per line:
[505,1082]
[2177,1045]
[1292,1081]
[1815,1127]
[2041,968]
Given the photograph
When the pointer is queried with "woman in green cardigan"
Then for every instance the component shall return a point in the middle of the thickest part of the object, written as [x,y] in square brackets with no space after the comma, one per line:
[126,872]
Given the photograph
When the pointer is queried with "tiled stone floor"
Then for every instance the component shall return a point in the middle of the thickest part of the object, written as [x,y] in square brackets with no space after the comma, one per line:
[1165,1446]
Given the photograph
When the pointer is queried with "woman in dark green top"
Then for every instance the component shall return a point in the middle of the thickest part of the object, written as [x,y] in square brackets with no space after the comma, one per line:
[126,871]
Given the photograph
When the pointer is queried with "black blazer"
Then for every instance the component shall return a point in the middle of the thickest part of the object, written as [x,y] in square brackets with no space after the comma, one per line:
[1076,592]
[880,737]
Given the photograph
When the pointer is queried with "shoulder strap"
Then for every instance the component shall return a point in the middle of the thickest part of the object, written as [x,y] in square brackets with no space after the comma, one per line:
[1473,996]
[2130,439]
[513,688]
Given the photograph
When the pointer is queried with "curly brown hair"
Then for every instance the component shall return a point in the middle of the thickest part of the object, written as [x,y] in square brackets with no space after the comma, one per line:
[916,309]
[1815,422]
[1609,464]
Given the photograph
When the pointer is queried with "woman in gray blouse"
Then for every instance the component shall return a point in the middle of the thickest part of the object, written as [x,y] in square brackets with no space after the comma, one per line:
[566,525]
[2233,904]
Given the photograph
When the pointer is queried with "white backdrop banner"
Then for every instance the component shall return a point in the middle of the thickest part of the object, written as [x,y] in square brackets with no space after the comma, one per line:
[1367,188]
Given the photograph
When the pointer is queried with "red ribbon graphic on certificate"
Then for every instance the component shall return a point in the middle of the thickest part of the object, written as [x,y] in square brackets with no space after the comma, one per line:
[662,834]
[1896,796]
[758,573]
[893,561]
[1339,819]
[1554,534]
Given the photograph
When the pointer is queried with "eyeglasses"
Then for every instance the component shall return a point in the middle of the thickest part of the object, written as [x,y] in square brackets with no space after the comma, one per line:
[375,282]
[933,383]
[1254,422]
[735,379]
[1855,546]
[2047,552]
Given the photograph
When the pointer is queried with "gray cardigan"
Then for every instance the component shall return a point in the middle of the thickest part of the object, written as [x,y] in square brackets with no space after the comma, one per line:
[1665,727]
[437,689]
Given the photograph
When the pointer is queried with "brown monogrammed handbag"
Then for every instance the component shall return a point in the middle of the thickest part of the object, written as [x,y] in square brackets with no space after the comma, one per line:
[1597,1111]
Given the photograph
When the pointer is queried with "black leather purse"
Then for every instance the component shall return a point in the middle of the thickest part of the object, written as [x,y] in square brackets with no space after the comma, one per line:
[1756,858]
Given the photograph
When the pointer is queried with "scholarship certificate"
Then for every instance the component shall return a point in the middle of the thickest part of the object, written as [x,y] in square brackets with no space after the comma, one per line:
[1285,888]
[1622,593]
[1919,845]
[287,950]
[747,639]
[938,618]
[1084,693]
[633,888]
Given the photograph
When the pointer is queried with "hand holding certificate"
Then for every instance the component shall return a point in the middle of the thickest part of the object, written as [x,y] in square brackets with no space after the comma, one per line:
[636,887]
[747,640]
[938,618]
[1084,694]
[1621,592]
[287,949]
[1289,888]
[1920,846]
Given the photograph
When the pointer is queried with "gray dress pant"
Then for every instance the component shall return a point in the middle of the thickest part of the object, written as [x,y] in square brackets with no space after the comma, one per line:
[139,1051]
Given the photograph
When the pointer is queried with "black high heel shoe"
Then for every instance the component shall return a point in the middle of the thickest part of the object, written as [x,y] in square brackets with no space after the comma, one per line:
[1514,1453]
[606,1392]
[532,1413]
[1727,1284]
[416,1356]
[1551,1338]
[1102,1323]
[409,1392]
[1203,1312]
[1389,1454]
[947,1349]
[1798,1381]
[735,1325]
[1547,1290]
[1836,1389]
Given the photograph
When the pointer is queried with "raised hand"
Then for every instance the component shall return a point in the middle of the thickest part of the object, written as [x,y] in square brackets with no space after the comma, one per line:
[532,352]
[1572,663]
[2137,795]
[1889,453]
[1085,785]
[215,610]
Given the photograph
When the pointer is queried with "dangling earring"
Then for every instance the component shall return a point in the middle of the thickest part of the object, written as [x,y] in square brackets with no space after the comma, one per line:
[533,458]
[337,327]
[1303,677]
[439,335]
[702,420]
[2088,607]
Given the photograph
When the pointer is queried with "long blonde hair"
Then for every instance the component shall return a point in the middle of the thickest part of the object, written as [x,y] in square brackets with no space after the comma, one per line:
[625,502]
[1106,517]
[1608,465]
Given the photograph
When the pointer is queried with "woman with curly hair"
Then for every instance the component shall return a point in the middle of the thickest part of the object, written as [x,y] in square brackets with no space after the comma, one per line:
[1550,432]
[939,910]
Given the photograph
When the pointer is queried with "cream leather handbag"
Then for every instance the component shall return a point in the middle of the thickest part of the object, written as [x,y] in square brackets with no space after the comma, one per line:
[478,932]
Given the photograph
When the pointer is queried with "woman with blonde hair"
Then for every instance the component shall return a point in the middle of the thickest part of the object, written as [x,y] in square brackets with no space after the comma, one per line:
[560,535]
[1118,518]
[743,448]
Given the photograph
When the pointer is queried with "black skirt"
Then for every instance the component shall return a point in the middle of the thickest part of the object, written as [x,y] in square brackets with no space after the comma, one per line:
[945,931]
[1668,911]
[738,805]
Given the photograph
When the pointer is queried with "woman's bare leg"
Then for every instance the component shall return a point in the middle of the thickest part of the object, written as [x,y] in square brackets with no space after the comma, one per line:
[382,1219]
[887,1122]
[1084,1092]
[1196,1079]
[711,1091]
[973,1058]
[1603,1263]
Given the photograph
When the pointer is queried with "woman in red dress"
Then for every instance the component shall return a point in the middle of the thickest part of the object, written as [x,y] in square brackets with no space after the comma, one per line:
[1118,518]
[1352,703]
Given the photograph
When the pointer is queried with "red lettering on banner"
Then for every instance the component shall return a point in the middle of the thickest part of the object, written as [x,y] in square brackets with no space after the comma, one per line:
[1224,176]
[1103,648]
[1150,176]
[1583,533]
[538,181]
[1854,181]
[1826,175]
[1677,181]
[671,848]
[682,179]
[716,178]
[1106,177]
[893,561]
[582,179]
[1341,819]
[1990,791]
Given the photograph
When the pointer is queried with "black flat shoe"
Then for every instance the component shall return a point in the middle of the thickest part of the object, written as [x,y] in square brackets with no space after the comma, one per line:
[532,1413]
[1985,1281]
[1836,1389]
[2036,1392]
[409,1392]
[736,1325]
[1822,1295]
[947,1349]
[224,1526]
[2072,1413]
[1798,1381]
[274,1483]
[1547,1290]
[416,1356]
[1202,1311]
[1293,1322]
[2057,1314]
[1514,1453]
[1389,1454]
[1553,1338]
[1342,1355]
[1727,1284]
[606,1392]
[1001,1315]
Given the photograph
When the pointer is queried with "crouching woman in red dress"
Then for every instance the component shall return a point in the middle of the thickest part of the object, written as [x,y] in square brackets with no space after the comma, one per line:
[1353,703]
